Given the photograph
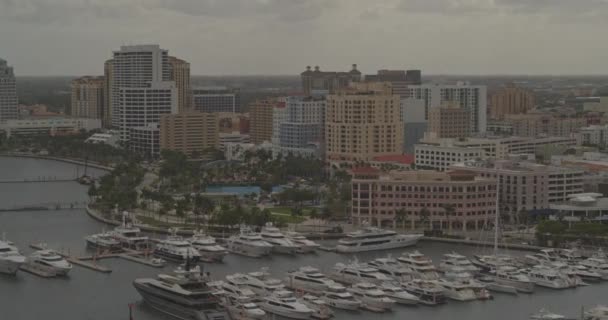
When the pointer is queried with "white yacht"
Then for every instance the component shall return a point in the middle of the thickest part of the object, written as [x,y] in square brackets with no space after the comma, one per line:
[488,263]
[585,273]
[428,292]
[304,244]
[105,241]
[338,297]
[258,285]
[277,239]
[355,273]
[129,235]
[232,291]
[372,298]
[597,264]
[320,308]
[209,250]
[371,239]
[513,277]
[456,290]
[284,304]
[50,260]
[422,266]
[398,293]
[184,295]
[596,313]
[10,258]
[243,310]
[548,277]
[544,314]
[392,268]
[572,274]
[308,279]
[481,291]
[175,248]
[571,255]
[454,262]
[249,243]
[544,256]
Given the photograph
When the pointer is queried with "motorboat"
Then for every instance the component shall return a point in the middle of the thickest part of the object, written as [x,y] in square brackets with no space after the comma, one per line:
[572,274]
[544,314]
[456,290]
[372,298]
[480,289]
[175,248]
[428,292]
[256,282]
[10,258]
[354,273]
[129,235]
[182,295]
[585,273]
[270,284]
[515,278]
[103,241]
[457,263]
[249,243]
[549,277]
[597,264]
[488,263]
[338,297]
[392,268]
[304,245]
[399,294]
[208,248]
[51,261]
[596,313]
[421,266]
[280,243]
[373,239]
[283,303]
[308,279]
[232,291]
[243,310]
[570,255]
[544,256]
[319,307]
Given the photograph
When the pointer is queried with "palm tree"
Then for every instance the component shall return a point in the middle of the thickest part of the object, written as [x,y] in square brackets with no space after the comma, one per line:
[449,209]
[401,214]
[425,217]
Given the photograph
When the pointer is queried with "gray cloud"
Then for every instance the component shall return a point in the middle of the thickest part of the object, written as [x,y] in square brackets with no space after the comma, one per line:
[64,11]
[547,7]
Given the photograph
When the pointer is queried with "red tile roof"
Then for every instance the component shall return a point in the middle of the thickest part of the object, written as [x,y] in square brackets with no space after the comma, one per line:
[400,158]
[364,170]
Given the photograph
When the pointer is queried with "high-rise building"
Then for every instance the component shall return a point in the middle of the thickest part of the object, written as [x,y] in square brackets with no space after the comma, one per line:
[510,100]
[216,99]
[260,120]
[413,117]
[471,98]
[298,124]
[319,82]
[180,74]
[449,121]
[145,140]
[363,122]
[397,78]
[135,67]
[142,106]
[191,132]
[539,124]
[413,77]
[8,92]
[108,74]
[88,98]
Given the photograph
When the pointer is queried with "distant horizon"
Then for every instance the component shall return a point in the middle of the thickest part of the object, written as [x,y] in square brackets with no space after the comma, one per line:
[576,75]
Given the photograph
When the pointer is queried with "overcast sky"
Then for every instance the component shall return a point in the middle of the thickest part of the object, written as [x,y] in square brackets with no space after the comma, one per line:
[218,37]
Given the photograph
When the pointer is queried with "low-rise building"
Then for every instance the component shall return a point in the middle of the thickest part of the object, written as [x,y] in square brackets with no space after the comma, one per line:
[232,137]
[109,137]
[234,151]
[595,135]
[216,99]
[582,207]
[414,198]
[449,121]
[441,157]
[50,126]
[538,124]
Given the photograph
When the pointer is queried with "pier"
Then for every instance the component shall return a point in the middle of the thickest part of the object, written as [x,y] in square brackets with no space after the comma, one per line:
[38,180]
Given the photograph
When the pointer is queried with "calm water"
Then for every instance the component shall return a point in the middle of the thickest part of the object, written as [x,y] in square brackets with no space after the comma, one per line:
[90,295]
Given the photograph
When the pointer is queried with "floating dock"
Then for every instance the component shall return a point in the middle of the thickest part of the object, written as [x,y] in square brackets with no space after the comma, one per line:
[144,261]
[76,261]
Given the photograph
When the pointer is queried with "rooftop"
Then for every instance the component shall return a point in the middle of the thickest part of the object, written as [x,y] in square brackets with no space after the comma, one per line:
[399,158]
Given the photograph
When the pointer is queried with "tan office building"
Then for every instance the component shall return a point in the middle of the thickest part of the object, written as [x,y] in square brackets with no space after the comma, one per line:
[510,100]
[449,121]
[363,122]
[189,132]
[323,82]
[260,120]
[180,73]
[88,98]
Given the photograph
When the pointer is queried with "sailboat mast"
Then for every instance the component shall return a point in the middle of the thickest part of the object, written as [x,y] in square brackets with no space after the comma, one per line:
[496,218]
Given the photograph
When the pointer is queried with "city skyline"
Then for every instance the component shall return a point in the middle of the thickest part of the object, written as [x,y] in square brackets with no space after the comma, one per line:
[238,37]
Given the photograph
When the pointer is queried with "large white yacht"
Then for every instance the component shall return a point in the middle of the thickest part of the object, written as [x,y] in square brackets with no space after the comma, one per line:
[488,263]
[304,245]
[184,295]
[104,241]
[129,235]
[355,273]
[10,258]
[515,278]
[549,277]
[371,239]
[338,297]
[283,303]
[597,264]
[596,313]
[243,310]
[249,243]
[421,265]
[464,278]
[50,260]
[320,308]
[428,292]
[457,290]
[277,239]
[209,249]
[232,291]
[454,262]
[259,285]
[544,256]
[372,298]
[308,279]
[392,268]
[545,314]
[399,294]
[175,248]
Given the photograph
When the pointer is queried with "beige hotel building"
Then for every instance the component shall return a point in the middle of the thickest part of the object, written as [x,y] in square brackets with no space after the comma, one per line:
[189,132]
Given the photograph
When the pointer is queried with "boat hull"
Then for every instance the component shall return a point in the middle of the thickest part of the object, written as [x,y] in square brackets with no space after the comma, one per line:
[285,313]
[9,266]
[384,246]
[175,257]
[344,305]
[249,251]
[524,287]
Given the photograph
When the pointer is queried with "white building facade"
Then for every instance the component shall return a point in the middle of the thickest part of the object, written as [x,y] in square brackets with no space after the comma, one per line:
[297,125]
[441,157]
[50,126]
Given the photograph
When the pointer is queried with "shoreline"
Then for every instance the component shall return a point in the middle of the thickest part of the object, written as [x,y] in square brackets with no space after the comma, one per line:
[79,162]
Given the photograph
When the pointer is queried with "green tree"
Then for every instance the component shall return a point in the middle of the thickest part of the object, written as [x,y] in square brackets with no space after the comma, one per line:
[425,216]
[400,216]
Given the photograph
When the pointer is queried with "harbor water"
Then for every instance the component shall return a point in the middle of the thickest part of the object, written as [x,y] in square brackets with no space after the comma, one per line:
[90,295]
